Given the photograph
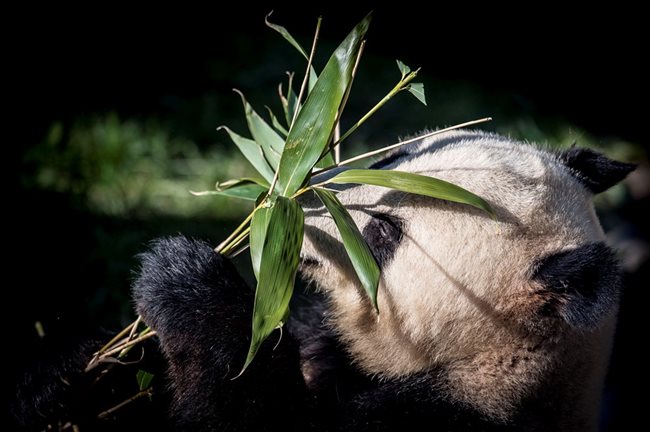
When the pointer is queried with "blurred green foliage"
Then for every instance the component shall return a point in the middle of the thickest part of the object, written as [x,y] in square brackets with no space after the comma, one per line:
[130,168]
[138,168]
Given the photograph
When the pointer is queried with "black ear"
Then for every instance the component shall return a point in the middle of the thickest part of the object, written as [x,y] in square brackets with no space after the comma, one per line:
[595,170]
[582,284]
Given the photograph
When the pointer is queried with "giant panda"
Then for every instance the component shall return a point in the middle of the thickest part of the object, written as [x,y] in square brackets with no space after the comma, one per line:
[484,324]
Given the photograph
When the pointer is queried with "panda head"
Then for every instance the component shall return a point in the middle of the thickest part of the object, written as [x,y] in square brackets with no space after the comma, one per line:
[460,291]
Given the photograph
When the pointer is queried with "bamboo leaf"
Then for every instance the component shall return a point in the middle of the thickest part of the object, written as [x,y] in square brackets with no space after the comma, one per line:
[313,77]
[277,270]
[413,183]
[289,101]
[259,225]
[276,123]
[144,379]
[252,152]
[404,69]
[326,161]
[285,34]
[263,134]
[315,122]
[363,261]
[245,190]
[236,182]
[284,99]
[417,90]
[292,105]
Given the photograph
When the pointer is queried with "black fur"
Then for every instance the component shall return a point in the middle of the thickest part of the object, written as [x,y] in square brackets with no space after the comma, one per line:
[418,402]
[57,378]
[57,391]
[201,309]
[583,282]
[382,163]
[383,234]
[322,357]
[597,172]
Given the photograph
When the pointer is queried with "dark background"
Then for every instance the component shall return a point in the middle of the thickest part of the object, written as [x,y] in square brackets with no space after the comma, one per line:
[535,64]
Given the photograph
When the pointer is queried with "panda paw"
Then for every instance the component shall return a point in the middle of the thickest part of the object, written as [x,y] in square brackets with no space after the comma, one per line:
[184,286]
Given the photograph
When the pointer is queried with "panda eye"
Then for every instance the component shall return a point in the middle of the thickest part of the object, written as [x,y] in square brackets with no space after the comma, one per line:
[383,234]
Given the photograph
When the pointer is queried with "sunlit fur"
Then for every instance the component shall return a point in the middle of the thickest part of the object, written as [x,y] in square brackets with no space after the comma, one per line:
[458,294]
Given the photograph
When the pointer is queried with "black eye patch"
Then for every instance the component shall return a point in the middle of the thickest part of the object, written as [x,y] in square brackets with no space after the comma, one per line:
[383,234]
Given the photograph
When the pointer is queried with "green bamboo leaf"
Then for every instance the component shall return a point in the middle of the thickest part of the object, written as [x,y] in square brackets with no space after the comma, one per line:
[413,183]
[236,182]
[276,123]
[404,69]
[292,106]
[245,190]
[363,261]
[417,90]
[144,379]
[252,152]
[314,125]
[277,270]
[326,161]
[288,101]
[313,77]
[263,134]
[285,34]
[259,226]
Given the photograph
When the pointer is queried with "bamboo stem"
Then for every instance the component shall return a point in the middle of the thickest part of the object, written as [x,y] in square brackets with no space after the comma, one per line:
[402,143]
[125,346]
[401,85]
[236,232]
[235,242]
[306,79]
[135,341]
[134,328]
[116,338]
[104,414]
[337,129]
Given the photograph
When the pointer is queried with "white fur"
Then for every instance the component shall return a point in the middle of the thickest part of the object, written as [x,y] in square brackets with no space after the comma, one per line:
[458,293]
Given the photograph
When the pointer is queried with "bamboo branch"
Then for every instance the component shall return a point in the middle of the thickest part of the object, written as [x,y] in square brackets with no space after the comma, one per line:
[401,85]
[304,81]
[337,129]
[108,412]
[101,358]
[402,143]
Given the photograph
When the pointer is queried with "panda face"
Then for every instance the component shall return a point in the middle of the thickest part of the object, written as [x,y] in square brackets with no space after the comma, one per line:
[459,289]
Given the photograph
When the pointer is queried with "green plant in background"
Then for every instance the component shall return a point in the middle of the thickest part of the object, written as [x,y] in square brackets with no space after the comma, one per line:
[126,168]
[286,158]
